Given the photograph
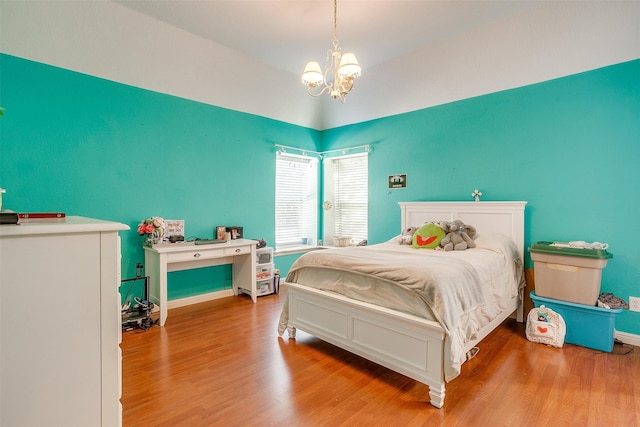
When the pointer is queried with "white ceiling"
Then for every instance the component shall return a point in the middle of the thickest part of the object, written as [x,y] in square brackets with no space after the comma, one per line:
[286,34]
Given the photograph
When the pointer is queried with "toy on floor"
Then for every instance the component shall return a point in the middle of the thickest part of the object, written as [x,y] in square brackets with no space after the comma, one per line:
[545,326]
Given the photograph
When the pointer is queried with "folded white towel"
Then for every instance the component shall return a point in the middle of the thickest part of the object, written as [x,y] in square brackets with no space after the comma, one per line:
[585,245]
[581,244]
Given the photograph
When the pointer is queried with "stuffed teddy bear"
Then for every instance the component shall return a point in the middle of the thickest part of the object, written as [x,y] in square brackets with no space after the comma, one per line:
[459,236]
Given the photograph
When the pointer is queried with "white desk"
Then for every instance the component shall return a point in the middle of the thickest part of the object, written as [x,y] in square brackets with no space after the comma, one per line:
[165,258]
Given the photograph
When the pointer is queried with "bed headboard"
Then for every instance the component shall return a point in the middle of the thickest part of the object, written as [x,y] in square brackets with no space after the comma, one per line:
[487,217]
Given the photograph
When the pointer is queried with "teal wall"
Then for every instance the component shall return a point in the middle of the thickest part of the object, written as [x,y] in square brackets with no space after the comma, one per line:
[570,147]
[91,147]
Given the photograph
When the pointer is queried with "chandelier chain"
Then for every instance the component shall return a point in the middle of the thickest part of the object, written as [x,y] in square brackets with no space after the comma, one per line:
[335,20]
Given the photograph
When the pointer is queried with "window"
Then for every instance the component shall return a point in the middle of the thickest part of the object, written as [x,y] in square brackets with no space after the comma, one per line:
[346,188]
[296,200]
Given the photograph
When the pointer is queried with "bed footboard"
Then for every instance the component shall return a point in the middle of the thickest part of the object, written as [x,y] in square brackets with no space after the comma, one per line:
[401,342]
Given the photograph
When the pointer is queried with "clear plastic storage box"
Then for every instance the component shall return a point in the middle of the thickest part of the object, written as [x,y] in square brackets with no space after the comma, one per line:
[264,287]
[264,272]
[264,255]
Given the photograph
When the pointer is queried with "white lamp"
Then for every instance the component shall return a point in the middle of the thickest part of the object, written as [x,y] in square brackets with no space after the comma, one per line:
[349,66]
[312,75]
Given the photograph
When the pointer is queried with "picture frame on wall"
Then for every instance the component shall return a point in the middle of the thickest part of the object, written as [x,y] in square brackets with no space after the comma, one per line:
[398,181]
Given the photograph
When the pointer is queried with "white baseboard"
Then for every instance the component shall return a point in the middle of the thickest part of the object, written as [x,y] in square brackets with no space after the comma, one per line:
[181,302]
[628,338]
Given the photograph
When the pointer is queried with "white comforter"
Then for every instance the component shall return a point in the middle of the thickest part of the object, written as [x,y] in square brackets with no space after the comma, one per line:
[461,290]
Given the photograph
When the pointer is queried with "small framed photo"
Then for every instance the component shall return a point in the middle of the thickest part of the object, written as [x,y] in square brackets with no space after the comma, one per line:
[174,227]
[398,181]
[220,231]
[236,232]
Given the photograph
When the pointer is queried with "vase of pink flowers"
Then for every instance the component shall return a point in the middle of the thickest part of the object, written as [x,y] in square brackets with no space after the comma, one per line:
[153,230]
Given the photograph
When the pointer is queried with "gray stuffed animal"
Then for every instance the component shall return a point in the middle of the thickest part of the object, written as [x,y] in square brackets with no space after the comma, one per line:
[459,236]
[407,235]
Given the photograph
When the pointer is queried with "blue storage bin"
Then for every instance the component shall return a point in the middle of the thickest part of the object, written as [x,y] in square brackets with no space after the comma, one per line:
[587,326]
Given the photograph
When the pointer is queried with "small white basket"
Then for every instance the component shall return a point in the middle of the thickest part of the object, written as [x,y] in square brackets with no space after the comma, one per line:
[342,241]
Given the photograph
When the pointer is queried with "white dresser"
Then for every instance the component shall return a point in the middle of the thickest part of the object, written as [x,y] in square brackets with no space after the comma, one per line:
[60,324]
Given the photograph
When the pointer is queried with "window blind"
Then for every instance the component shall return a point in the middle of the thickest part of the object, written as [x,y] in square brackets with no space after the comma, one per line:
[296,200]
[351,196]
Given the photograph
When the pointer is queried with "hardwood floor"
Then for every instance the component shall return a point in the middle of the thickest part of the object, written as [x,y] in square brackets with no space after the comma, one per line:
[221,363]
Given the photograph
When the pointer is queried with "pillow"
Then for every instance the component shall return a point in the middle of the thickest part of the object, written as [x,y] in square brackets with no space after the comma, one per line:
[428,236]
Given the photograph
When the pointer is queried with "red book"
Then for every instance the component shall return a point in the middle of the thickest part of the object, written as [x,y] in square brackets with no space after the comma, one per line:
[42,217]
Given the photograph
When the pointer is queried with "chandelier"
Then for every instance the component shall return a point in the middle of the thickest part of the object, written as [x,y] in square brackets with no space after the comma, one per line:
[345,70]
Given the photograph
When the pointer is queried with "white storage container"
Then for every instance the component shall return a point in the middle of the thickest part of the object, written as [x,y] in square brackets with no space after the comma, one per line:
[264,271]
[568,274]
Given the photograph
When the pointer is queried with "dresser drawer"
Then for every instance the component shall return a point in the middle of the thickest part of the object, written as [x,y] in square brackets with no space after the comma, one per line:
[195,255]
[238,250]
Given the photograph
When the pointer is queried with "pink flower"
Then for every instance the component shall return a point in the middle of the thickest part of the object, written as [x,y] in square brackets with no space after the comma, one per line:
[151,225]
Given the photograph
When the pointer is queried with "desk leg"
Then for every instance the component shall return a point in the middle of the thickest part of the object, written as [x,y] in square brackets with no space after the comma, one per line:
[244,273]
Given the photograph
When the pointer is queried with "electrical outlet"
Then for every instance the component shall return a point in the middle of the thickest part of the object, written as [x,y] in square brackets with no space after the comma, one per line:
[634,303]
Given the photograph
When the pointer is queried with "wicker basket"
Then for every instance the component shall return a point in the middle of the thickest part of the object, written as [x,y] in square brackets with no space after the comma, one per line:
[341,241]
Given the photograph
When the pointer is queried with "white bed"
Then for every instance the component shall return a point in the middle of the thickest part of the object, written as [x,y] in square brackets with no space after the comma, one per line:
[408,343]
